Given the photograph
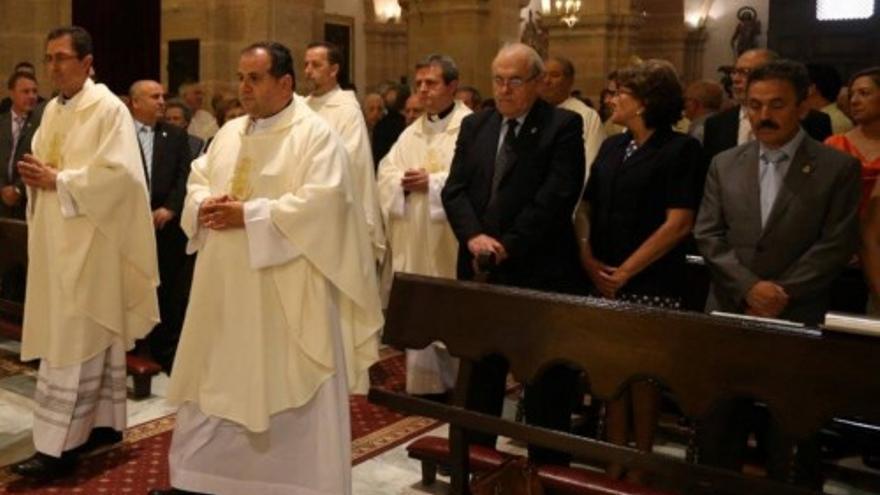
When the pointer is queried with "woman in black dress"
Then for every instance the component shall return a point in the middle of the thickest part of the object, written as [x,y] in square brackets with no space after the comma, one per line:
[638,208]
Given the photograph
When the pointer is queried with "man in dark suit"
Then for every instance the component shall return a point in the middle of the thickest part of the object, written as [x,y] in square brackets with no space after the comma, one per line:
[166,158]
[26,67]
[17,127]
[514,182]
[778,222]
[731,127]
[179,115]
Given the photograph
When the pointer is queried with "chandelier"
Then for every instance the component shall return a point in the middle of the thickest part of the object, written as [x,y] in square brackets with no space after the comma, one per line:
[567,10]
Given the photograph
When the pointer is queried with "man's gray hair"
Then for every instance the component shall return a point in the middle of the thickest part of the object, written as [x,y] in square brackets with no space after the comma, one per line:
[536,64]
[446,64]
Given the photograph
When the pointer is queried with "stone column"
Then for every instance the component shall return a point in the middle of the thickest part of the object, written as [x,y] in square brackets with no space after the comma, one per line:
[386,50]
[23,30]
[470,31]
[663,32]
[224,27]
[695,46]
[603,39]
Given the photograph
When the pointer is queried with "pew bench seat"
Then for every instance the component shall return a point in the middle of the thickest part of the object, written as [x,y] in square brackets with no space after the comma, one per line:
[433,452]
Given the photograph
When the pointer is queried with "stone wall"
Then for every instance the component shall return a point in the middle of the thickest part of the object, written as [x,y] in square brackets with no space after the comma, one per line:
[23,29]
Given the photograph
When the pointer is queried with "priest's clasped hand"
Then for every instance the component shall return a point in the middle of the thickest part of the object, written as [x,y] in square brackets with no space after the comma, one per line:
[36,174]
[221,212]
[415,180]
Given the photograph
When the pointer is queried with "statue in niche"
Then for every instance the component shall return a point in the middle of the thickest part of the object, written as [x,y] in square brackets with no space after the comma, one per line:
[535,35]
[747,31]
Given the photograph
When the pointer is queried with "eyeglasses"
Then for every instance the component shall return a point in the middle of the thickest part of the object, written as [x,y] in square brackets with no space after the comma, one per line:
[741,71]
[58,58]
[512,82]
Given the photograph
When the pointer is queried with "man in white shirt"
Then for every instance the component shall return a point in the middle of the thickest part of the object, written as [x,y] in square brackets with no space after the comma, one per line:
[203,125]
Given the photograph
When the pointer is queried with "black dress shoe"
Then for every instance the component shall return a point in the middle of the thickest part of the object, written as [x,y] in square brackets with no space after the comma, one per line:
[46,468]
[99,437]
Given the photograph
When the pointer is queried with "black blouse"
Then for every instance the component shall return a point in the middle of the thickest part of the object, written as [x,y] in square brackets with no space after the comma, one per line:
[629,198]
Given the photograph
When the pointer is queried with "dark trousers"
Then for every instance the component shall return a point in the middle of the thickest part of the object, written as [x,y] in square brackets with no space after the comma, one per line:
[175,274]
[549,402]
[722,437]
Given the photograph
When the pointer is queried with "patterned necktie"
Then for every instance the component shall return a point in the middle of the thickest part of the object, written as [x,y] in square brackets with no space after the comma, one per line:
[505,156]
[770,180]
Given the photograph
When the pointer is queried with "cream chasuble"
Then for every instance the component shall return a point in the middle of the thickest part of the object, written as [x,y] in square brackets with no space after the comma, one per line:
[419,235]
[258,336]
[342,111]
[92,274]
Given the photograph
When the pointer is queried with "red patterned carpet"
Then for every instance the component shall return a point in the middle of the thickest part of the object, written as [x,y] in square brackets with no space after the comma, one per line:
[141,461]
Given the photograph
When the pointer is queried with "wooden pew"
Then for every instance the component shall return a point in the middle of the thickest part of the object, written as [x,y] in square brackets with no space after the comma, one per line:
[13,252]
[805,377]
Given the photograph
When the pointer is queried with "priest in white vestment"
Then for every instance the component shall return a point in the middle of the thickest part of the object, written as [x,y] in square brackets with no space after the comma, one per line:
[411,177]
[284,314]
[556,90]
[203,125]
[341,109]
[92,275]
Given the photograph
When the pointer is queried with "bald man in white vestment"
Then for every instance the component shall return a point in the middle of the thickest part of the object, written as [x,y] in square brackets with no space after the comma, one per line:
[284,312]
[341,109]
[92,276]
[411,177]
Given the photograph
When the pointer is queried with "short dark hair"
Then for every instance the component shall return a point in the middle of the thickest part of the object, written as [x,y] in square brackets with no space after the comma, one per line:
[79,37]
[655,83]
[334,54]
[475,93]
[10,84]
[826,79]
[446,64]
[567,66]
[784,70]
[176,103]
[872,72]
[281,61]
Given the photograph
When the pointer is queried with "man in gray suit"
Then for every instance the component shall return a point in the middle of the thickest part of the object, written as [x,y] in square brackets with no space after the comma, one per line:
[777,224]
[17,127]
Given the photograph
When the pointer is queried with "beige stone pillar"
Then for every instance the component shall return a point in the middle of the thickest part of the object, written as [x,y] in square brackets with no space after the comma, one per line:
[470,31]
[663,32]
[23,30]
[695,46]
[386,50]
[603,39]
[224,27]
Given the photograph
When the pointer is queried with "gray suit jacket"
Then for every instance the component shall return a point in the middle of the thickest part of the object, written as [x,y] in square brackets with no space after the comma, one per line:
[24,146]
[811,233]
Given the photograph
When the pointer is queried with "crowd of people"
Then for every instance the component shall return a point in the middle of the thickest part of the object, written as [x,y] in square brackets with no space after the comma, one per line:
[269,231]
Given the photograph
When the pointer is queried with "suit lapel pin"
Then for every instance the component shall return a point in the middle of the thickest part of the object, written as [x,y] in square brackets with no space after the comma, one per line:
[807,168]
[164,134]
[534,130]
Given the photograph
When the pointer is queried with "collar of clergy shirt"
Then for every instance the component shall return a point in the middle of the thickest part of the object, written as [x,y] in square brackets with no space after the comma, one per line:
[259,125]
[324,98]
[442,115]
[78,96]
